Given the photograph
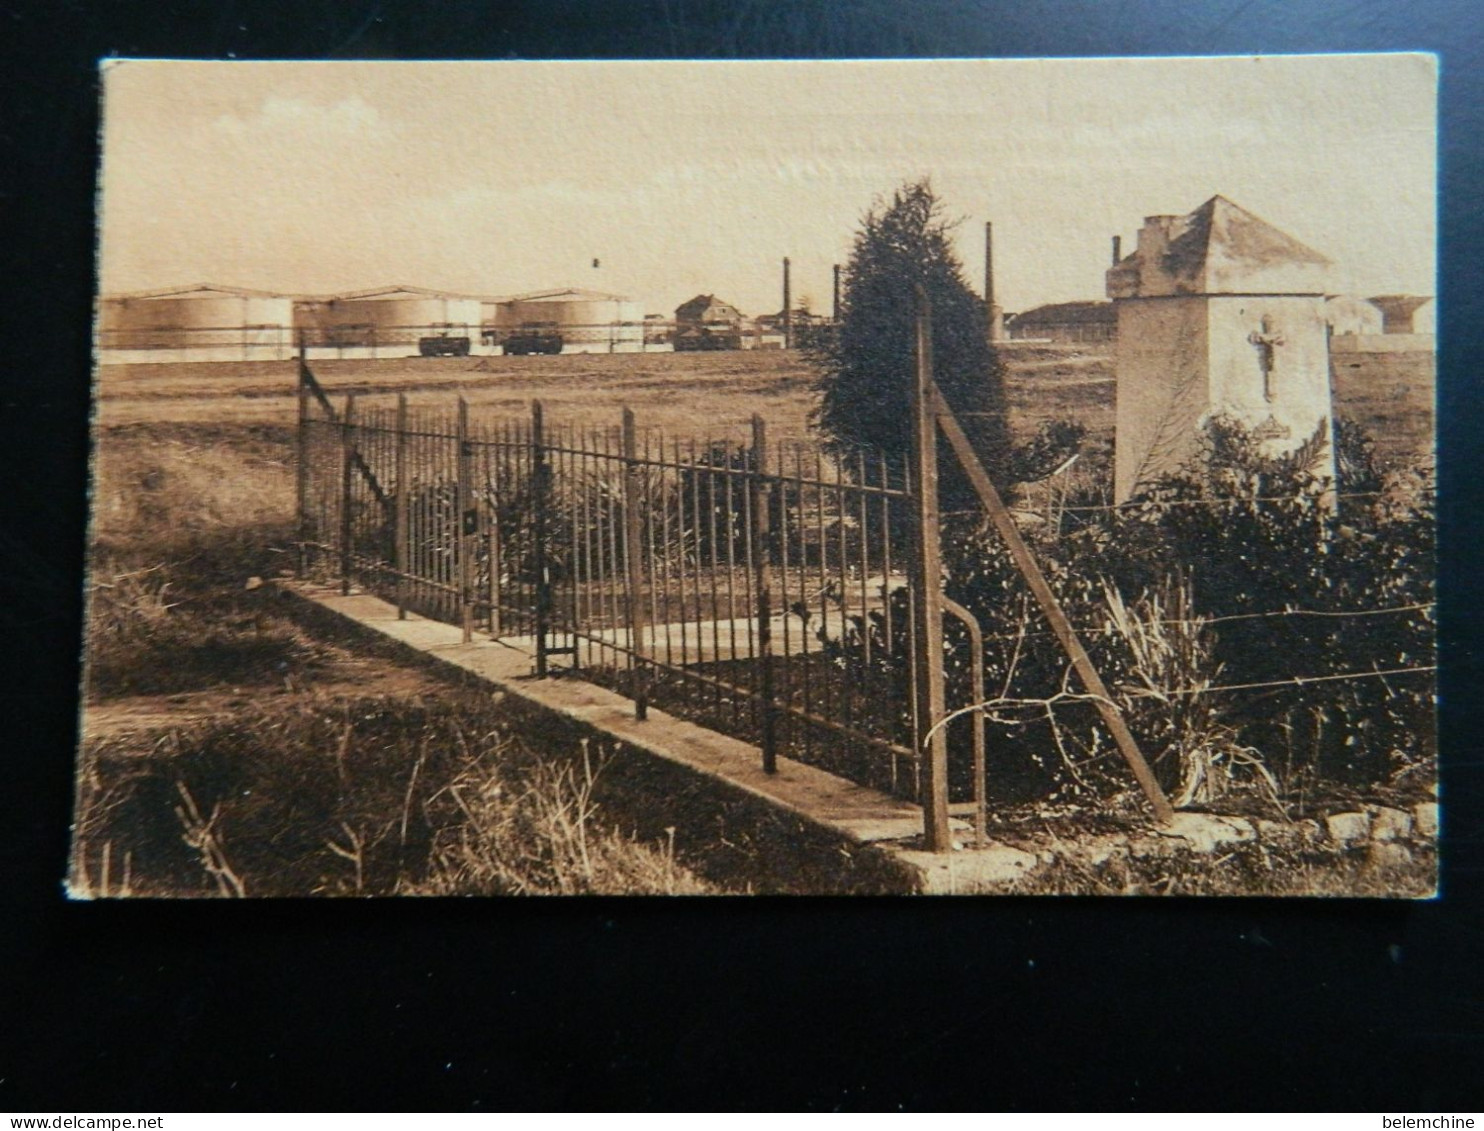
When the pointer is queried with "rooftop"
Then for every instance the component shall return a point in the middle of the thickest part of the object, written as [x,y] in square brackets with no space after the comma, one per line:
[1220,248]
[196,290]
[1067,312]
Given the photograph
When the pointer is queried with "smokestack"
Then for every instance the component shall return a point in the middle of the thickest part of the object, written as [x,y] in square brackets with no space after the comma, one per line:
[992,309]
[788,312]
[989,264]
[836,313]
[1117,250]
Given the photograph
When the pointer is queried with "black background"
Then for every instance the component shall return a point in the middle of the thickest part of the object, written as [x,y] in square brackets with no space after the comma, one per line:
[861,1004]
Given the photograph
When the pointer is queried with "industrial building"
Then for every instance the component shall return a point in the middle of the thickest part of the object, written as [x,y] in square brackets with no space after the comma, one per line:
[1065,322]
[588,321]
[801,328]
[198,322]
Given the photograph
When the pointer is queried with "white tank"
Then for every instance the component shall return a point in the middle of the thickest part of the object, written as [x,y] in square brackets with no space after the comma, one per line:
[392,318]
[194,318]
[589,321]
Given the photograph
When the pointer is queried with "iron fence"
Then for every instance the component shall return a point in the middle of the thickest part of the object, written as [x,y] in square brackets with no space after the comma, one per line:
[754,587]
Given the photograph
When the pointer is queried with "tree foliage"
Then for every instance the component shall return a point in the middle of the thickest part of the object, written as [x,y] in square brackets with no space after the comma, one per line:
[867,364]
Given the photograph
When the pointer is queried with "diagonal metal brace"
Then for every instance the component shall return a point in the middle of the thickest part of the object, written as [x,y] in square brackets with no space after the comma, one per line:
[307,380]
[1065,633]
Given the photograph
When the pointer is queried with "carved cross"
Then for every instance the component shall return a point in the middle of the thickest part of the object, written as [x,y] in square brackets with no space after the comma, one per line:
[1267,342]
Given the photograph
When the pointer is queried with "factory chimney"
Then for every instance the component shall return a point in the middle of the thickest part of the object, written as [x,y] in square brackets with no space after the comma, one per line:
[992,309]
[788,310]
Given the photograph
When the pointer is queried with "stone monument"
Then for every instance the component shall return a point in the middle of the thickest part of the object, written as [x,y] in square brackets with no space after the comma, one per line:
[1219,314]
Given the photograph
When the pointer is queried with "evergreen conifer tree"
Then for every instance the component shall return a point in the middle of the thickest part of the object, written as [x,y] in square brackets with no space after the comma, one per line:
[867,364]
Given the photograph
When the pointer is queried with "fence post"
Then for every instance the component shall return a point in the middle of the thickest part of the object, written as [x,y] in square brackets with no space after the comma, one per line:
[762,549]
[301,468]
[399,509]
[468,523]
[347,466]
[931,741]
[539,502]
[976,691]
[634,570]
[493,535]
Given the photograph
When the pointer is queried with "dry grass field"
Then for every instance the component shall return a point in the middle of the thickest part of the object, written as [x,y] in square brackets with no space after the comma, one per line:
[681,393]
[1392,395]
[692,394]
[193,501]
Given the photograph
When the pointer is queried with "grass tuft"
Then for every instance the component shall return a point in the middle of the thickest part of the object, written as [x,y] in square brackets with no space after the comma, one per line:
[372,796]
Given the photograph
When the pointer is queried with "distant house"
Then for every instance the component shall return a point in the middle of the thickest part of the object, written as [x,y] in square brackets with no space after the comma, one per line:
[707,309]
[708,323]
[1065,322]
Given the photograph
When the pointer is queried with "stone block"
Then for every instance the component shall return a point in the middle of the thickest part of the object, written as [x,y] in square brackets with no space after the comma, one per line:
[1348,828]
[1099,850]
[1390,824]
[987,869]
[1206,832]
[1388,854]
[1425,819]
[1287,832]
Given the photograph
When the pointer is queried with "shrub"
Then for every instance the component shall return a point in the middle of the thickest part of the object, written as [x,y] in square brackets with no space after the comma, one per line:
[1239,569]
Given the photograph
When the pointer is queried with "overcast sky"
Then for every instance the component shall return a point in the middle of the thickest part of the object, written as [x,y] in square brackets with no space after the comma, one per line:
[495,178]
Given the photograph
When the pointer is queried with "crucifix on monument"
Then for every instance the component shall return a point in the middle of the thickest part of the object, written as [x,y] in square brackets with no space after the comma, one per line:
[1198,296]
[1267,343]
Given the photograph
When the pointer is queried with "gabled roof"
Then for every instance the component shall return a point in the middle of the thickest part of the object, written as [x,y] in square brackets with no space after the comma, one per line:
[196,290]
[566,293]
[700,304]
[1220,248]
[397,290]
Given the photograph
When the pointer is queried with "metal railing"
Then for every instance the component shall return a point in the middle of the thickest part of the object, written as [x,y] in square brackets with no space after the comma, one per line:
[753,587]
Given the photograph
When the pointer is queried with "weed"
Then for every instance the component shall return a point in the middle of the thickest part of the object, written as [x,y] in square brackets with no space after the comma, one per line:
[365,797]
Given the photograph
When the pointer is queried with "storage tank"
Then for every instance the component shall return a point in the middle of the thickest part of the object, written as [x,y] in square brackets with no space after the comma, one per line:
[1347,314]
[389,319]
[201,323]
[588,321]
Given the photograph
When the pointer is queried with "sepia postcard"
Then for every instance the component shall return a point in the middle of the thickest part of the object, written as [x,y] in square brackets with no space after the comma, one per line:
[914,477]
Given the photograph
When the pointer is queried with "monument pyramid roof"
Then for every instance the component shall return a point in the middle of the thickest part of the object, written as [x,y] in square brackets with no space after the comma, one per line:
[1220,248]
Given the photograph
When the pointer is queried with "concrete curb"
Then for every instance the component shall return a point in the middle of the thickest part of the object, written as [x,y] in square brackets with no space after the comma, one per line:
[868,834]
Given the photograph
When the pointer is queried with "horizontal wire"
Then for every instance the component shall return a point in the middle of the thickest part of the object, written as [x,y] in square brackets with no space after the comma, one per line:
[1293,681]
